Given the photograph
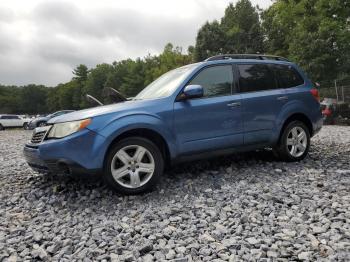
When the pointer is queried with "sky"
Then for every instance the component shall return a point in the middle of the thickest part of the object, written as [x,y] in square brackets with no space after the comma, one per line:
[42,41]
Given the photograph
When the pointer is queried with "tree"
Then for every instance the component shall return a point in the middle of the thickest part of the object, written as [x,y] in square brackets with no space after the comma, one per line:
[33,99]
[95,82]
[238,32]
[243,33]
[10,99]
[313,33]
[80,73]
[209,41]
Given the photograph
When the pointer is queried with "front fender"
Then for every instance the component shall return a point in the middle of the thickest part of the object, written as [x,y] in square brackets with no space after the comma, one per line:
[122,124]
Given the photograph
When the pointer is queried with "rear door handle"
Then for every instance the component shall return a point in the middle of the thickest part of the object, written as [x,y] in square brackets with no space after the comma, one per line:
[234,104]
[282,98]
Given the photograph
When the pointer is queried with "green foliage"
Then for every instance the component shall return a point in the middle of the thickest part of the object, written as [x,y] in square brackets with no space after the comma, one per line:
[243,33]
[81,73]
[210,40]
[10,98]
[313,33]
[238,32]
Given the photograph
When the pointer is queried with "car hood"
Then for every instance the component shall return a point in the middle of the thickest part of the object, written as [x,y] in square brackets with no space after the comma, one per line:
[95,111]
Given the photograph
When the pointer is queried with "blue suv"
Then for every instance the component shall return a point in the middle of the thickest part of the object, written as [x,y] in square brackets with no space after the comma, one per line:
[228,103]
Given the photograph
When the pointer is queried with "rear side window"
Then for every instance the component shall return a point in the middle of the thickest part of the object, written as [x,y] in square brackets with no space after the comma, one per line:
[215,80]
[255,77]
[287,76]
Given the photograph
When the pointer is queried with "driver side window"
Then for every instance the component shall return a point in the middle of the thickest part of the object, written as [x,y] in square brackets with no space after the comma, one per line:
[215,80]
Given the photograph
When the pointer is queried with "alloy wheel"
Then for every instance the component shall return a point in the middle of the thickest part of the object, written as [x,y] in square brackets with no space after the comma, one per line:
[132,166]
[297,141]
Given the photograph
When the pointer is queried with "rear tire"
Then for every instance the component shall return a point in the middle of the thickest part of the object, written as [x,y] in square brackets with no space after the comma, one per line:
[1,127]
[294,142]
[134,165]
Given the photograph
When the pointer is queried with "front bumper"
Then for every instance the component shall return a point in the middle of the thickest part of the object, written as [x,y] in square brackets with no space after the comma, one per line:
[78,153]
[32,156]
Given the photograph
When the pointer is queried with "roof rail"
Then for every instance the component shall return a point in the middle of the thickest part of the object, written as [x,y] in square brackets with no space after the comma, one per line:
[246,56]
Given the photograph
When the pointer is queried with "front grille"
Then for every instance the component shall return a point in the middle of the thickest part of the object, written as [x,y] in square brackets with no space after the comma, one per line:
[39,134]
[38,137]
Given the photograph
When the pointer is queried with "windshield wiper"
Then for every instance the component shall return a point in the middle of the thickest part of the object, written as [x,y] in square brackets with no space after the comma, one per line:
[90,98]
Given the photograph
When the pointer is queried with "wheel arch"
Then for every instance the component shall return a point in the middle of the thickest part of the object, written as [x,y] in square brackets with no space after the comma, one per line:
[147,133]
[297,117]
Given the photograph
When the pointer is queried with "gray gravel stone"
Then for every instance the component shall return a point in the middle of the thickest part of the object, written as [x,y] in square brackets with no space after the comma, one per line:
[147,258]
[170,255]
[39,252]
[304,255]
[244,207]
[146,248]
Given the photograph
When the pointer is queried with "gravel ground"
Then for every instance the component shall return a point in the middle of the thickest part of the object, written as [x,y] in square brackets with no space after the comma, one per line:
[241,207]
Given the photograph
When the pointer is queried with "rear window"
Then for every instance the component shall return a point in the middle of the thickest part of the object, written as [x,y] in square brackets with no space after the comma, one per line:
[255,77]
[287,76]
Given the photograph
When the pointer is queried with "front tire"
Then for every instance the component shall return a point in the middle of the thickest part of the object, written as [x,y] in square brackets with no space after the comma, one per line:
[41,124]
[294,143]
[25,126]
[134,165]
[1,127]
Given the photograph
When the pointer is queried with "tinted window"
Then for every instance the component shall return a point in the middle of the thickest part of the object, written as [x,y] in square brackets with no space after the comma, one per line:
[215,80]
[287,76]
[256,77]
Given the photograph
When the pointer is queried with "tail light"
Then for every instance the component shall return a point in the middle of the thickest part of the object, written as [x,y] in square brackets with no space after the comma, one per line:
[315,94]
[327,112]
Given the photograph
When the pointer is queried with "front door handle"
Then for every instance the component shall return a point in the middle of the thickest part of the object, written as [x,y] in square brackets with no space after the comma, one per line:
[282,98]
[234,104]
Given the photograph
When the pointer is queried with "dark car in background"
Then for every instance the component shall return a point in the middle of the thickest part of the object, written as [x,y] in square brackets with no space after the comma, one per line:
[41,121]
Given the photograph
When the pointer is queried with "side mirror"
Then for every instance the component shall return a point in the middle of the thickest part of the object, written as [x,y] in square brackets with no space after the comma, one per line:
[192,91]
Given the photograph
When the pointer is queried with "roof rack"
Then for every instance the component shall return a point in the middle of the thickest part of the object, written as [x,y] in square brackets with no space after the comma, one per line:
[247,56]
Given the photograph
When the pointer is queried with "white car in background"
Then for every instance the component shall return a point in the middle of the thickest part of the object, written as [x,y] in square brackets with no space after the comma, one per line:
[13,121]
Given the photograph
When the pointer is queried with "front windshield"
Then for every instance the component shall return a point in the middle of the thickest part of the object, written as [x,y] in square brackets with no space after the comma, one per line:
[166,84]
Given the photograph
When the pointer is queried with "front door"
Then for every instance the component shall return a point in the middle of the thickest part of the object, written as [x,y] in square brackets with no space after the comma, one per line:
[213,121]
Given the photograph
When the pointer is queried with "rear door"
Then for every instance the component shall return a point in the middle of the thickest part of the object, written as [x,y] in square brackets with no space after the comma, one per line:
[16,121]
[262,100]
[292,82]
[213,121]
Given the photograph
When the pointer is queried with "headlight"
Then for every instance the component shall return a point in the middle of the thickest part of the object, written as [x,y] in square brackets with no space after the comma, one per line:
[65,129]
